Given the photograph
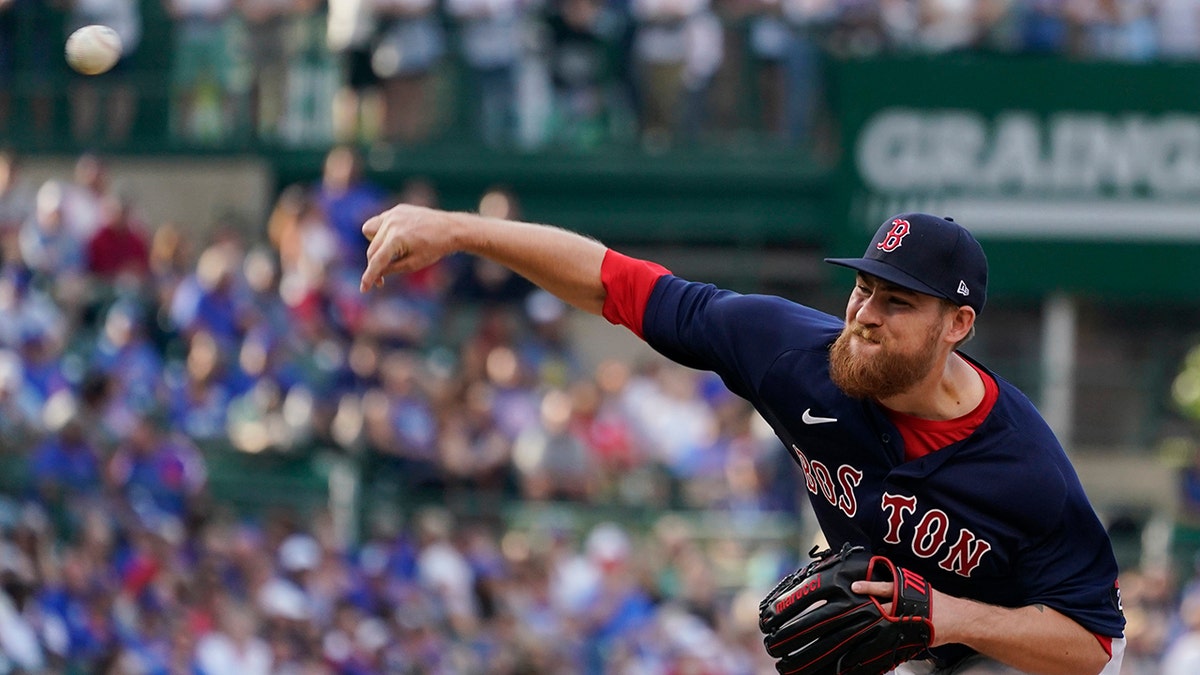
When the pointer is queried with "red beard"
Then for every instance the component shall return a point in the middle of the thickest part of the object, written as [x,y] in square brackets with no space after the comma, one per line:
[882,374]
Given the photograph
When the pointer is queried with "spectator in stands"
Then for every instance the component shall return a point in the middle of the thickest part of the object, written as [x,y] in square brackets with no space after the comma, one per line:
[352,28]
[660,59]
[201,70]
[269,50]
[338,643]
[66,469]
[28,311]
[49,248]
[20,408]
[1178,26]
[407,59]
[606,432]
[1044,27]
[1147,597]
[585,43]
[1182,656]
[84,196]
[16,195]
[287,595]
[124,353]
[667,411]
[107,416]
[235,646]
[159,473]
[256,417]
[104,110]
[547,347]
[516,404]
[400,424]
[119,251]
[299,230]
[211,298]
[490,42]
[947,26]
[553,464]
[703,57]
[23,633]
[198,398]
[768,40]
[347,199]
[618,606]
[397,319]
[804,67]
[1121,30]
[443,571]
[269,320]
[475,456]
[41,356]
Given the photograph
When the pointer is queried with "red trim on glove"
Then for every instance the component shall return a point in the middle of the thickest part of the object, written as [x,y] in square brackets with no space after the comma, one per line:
[902,577]
[628,283]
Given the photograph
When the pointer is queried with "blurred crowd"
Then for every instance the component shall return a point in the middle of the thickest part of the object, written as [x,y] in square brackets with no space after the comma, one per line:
[133,358]
[524,73]
[433,595]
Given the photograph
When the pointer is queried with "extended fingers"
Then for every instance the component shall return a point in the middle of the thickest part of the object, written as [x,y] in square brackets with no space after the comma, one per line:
[379,235]
[876,588]
[388,250]
[371,227]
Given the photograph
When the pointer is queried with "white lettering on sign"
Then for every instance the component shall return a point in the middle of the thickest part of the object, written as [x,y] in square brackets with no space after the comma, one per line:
[1070,153]
[1019,174]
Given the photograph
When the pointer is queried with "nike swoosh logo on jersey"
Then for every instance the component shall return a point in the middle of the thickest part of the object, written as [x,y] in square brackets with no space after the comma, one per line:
[809,418]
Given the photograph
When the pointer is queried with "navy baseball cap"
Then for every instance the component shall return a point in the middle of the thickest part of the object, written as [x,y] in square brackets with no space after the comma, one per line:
[927,254]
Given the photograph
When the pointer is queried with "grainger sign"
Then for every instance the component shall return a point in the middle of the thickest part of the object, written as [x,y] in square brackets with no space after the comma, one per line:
[1085,175]
[1077,176]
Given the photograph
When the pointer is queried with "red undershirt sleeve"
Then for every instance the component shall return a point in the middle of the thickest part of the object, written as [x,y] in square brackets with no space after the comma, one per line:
[1105,643]
[628,283]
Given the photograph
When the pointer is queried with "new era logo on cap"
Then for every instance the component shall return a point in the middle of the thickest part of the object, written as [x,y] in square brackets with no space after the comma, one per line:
[927,254]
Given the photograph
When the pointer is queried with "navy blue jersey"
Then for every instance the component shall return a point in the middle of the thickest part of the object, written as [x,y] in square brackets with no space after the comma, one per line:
[999,517]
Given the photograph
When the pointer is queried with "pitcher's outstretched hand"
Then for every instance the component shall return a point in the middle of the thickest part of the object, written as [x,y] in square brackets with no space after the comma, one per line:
[406,238]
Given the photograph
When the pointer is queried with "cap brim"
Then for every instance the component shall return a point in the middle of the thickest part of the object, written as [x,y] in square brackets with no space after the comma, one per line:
[878,268]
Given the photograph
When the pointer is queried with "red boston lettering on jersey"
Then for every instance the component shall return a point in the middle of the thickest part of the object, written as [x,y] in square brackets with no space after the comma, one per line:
[895,236]
[965,554]
[895,506]
[820,481]
[824,480]
[931,533]
[809,481]
[849,478]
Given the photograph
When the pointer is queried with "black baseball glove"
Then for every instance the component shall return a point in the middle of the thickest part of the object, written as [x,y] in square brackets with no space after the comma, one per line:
[815,625]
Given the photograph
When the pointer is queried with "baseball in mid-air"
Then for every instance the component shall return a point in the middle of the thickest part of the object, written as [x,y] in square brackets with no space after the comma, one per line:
[93,49]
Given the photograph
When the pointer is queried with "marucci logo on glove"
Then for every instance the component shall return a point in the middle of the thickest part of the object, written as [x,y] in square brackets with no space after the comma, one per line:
[815,625]
[798,593]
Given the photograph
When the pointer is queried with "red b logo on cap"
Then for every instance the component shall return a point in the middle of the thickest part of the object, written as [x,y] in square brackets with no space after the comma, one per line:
[891,242]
